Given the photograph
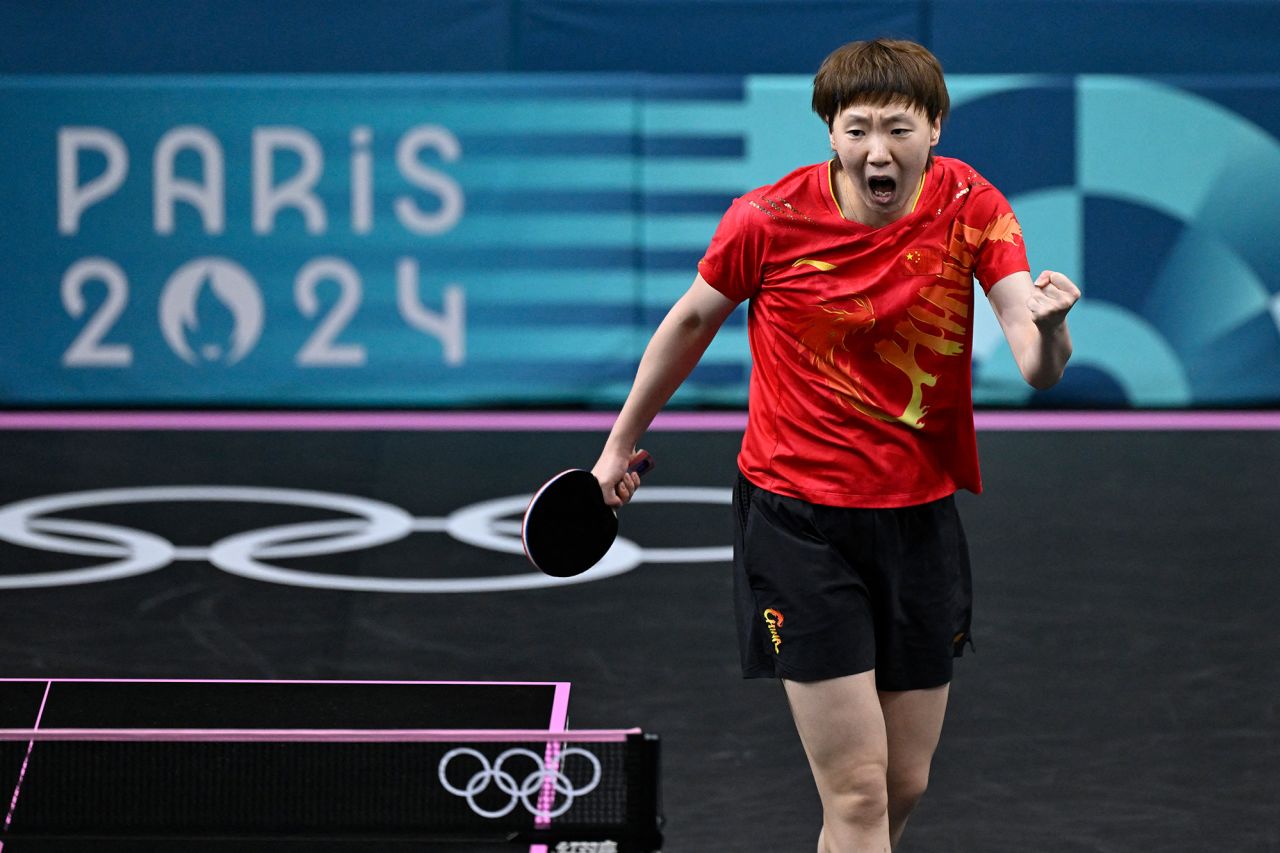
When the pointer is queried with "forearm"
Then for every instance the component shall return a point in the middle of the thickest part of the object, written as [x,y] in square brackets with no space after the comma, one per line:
[672,353]
[1033,316]
[1044,356]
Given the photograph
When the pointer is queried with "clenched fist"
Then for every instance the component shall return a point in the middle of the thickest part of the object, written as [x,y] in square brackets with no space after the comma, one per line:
[1052,298]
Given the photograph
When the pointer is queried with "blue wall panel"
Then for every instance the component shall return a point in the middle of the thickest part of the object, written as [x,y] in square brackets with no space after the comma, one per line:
[564,212]
[702,36]
[238,36]
[1106,36]
[473,240]
[664,36]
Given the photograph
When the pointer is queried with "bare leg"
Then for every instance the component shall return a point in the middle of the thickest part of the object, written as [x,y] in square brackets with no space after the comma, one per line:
[842,727]
[913,722]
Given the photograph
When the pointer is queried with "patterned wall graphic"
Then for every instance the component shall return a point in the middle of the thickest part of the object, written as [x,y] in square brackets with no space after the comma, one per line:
[513,239]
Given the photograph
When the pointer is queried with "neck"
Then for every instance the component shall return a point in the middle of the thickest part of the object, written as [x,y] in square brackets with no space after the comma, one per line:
[845,196]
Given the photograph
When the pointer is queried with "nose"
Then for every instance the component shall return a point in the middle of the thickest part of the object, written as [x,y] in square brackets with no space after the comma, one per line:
[878,150]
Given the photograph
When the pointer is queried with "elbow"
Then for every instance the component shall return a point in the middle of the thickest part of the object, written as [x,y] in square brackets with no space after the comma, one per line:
[688,322]
[1043,375]
[1043,381]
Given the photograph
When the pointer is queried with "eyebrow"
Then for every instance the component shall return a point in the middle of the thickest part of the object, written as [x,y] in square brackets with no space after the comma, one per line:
[898,116]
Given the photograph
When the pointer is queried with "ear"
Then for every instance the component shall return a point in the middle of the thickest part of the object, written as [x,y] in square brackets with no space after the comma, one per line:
[935,132]
[831,137]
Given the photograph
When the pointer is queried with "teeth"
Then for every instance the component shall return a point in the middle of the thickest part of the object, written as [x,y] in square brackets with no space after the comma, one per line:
[881,188]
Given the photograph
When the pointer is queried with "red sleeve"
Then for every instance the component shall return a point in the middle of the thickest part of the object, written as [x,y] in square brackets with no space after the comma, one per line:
[734,261]
[1001,251]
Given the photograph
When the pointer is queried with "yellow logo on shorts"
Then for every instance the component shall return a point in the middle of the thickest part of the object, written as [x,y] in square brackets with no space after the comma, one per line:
[773,619]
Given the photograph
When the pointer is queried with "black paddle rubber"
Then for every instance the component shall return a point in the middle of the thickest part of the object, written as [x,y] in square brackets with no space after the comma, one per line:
[568,527]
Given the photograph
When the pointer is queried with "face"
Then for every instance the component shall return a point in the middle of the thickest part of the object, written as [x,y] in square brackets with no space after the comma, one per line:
[882,152]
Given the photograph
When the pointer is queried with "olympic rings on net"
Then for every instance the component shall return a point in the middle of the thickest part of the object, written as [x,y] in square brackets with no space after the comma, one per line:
[539,781]
[492,525]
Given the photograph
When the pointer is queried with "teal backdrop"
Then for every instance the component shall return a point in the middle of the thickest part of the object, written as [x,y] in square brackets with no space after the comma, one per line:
[511,236]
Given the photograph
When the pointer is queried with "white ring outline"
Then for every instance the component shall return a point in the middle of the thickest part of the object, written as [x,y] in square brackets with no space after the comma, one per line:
[520,793]
[147,554]
[485,525]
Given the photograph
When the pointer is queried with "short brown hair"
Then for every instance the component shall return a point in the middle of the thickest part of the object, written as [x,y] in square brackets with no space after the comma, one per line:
[877,73]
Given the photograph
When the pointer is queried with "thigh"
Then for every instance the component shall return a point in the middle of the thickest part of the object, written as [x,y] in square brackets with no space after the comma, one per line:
[842,728]
[913,725]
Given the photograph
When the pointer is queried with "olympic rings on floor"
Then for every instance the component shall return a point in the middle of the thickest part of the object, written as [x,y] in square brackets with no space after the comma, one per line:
[492,525]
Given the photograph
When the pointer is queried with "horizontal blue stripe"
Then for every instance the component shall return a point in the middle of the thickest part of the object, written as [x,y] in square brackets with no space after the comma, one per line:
[519,144]
[523,84]
[710,373]
[596,201]
[591,373]
[696,87]
[693,146]
[497,86]
[653,315]
[510,315]
[538,379]
[513,315]
[561,257]
[673,259]
[691,202]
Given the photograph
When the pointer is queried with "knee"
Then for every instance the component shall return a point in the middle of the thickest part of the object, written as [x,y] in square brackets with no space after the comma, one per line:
[861,797]
[905,790]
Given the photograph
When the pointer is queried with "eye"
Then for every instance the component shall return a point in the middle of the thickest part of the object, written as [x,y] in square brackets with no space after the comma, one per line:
[856,133]
[901,131]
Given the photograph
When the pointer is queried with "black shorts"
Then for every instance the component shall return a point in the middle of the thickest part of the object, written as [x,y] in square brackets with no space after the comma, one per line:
[825,591]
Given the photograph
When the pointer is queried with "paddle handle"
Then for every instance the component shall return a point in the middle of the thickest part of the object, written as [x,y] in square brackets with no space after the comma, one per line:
[643,465]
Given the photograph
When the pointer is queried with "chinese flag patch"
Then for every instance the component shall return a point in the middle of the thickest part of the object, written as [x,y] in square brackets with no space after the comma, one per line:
[922,260]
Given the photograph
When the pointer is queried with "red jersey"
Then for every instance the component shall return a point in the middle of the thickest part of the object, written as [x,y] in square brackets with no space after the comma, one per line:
[861,384]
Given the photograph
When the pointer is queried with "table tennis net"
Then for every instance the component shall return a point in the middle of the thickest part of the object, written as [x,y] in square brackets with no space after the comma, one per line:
[518,790]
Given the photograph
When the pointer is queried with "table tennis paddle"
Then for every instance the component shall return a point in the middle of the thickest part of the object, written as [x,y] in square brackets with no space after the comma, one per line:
[568,527]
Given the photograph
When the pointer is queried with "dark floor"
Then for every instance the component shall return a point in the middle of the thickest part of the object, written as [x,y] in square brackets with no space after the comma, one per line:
[1125,693]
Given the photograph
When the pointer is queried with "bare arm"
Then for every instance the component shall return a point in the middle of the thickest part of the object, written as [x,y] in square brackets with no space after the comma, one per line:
[1033,316]
[672,353]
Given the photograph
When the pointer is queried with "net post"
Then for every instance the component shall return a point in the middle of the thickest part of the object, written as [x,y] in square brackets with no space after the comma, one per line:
[645,820]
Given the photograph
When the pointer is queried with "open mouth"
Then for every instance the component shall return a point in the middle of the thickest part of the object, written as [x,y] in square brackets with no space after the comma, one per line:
[882,188]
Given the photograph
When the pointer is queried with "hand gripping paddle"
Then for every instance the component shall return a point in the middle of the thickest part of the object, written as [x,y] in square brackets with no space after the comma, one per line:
[568,527]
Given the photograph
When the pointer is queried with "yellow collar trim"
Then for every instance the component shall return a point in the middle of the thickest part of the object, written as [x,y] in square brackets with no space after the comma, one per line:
[831,188]
[919,191]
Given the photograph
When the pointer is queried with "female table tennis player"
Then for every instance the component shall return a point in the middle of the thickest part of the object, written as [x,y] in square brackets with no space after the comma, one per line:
[851,570]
